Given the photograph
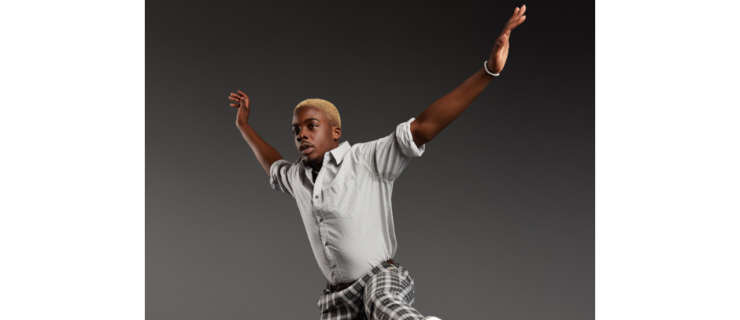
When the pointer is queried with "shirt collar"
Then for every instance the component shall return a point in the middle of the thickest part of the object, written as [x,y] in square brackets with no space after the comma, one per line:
[339,152]
[336,153]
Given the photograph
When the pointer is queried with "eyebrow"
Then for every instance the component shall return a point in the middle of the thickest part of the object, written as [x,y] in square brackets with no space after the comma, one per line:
[307,120]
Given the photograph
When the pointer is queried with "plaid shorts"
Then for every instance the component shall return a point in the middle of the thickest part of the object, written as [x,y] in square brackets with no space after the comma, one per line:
[384,293]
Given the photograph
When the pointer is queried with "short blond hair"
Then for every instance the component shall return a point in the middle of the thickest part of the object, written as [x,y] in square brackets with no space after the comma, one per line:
[330,111]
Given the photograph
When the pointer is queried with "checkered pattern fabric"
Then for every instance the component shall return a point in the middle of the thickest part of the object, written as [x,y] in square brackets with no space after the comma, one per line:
[384,293]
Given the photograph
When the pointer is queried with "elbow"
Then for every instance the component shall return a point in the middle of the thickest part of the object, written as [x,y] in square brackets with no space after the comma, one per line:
[421,133]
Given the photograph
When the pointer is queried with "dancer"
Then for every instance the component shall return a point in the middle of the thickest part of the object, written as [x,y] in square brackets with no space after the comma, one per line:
[343,192]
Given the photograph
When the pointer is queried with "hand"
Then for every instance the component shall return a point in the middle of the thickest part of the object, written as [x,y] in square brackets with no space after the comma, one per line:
[243,105]
[501,48]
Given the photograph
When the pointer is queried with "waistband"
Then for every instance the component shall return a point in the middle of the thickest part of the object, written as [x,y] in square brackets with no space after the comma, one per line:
[382,266]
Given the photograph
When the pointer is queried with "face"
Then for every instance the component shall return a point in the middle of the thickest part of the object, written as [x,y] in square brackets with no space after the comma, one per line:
[313,136]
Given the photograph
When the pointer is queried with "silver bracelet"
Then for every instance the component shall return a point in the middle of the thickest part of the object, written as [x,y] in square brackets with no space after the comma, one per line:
[485,65]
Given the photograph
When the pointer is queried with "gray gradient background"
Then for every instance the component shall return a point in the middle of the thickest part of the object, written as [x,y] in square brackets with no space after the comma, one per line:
[495,220]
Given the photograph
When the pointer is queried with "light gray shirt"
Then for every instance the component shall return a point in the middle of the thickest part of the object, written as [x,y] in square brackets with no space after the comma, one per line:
[347,211]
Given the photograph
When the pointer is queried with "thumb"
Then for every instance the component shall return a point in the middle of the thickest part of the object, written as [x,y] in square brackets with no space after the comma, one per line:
[502,40]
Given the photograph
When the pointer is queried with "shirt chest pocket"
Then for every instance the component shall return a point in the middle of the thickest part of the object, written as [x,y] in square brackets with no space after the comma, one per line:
[340,197]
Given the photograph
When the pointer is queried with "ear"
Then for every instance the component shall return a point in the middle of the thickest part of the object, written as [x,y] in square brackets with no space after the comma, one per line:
[336,132]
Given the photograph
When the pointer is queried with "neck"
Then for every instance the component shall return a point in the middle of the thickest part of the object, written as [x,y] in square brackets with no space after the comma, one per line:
[317,165]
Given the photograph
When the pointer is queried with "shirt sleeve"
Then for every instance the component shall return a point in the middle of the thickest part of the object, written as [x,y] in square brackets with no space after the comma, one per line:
[388,156]
[280,176]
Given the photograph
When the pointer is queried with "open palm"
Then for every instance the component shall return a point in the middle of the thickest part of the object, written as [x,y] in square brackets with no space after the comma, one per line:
[501,48]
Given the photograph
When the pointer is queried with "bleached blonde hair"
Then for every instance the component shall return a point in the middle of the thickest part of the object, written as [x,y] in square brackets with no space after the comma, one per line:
[330,111]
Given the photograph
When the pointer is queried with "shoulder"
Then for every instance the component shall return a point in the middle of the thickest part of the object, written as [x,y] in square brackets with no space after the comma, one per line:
[285,165]
[366,147]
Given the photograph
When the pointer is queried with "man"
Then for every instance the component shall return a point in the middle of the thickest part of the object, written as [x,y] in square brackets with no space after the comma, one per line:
[343,192]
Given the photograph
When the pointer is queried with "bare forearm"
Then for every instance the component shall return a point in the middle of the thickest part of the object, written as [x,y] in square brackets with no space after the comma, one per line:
[265,153]
[442,112]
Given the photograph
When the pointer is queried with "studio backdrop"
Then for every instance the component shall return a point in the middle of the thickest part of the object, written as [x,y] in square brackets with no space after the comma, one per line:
[495,220]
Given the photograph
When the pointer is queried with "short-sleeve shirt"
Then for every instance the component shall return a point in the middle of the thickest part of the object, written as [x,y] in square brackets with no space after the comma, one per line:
[347,210]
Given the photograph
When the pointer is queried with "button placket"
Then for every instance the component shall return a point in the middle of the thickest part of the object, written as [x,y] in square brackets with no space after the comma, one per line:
[323,233]
[322,225]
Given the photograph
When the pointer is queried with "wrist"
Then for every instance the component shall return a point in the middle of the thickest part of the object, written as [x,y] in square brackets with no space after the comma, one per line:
[484,76]
[488,71]
[243,126]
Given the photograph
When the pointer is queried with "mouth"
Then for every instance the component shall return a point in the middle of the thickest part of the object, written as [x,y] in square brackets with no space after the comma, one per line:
[306,150]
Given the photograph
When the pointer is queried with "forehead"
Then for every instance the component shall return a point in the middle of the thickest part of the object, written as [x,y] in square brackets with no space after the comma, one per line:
[306,114]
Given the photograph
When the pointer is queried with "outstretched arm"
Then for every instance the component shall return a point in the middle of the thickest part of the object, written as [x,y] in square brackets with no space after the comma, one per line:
[265,153]
[446,109]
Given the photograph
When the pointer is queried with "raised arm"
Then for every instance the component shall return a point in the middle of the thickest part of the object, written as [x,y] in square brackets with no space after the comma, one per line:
[265,153]
[442,112]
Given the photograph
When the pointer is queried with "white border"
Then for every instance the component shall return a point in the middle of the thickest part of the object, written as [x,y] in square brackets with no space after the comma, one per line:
[73,148]
[72,130]
[667,158]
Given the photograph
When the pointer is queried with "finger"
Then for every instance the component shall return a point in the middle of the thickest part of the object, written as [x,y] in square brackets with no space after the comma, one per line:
[241,93]
[234,98]
[518,13]
[511,25]
[513,15]
[518,22]
[234,94]
[234,105]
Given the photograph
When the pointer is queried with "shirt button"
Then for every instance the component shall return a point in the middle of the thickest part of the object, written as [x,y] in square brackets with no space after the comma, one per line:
[334,266]
[321,220]
[326,244]
[317,197]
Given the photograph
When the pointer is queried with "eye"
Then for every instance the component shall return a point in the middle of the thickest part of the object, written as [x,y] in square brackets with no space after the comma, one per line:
[312,125]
